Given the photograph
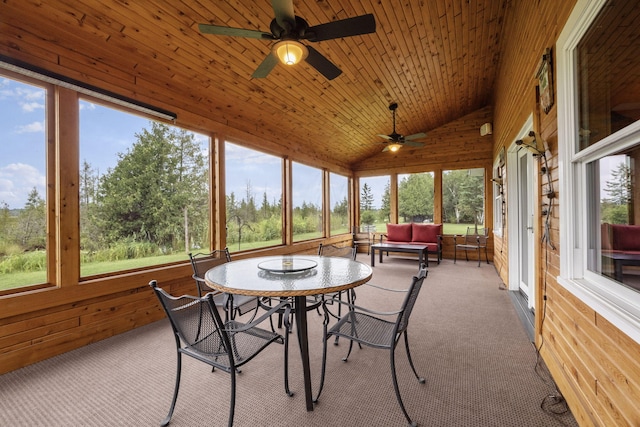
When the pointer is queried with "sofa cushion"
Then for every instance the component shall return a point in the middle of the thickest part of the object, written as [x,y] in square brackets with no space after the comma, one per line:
[626,237]
[399,232]
[425,232]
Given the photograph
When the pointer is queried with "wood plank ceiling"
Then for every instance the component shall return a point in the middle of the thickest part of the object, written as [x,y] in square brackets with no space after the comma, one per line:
[436,58]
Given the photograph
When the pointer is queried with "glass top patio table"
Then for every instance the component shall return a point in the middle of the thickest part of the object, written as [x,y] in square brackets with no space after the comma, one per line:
[273,276]
[296,276]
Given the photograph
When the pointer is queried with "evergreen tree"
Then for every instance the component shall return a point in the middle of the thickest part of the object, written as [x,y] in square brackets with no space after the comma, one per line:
[158,187]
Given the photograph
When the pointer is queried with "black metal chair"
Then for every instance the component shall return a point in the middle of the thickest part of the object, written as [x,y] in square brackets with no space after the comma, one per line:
[362,237]
[370,328]
[342,252]
[233,304]
[475,240]
[201,333]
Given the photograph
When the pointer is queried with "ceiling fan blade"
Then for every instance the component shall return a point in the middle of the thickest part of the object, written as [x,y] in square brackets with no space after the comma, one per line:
[283,10]
[387,137]
[234,32]
[265,67]
[363,24]
[413,143]
[415,136]
[322,64]
[385,149]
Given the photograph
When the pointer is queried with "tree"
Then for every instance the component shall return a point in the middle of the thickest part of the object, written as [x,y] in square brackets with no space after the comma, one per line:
[619,187]
[366,198]
[615,209]
[385,208]
[462,197]
[157,183]
[30,230]
[415,197]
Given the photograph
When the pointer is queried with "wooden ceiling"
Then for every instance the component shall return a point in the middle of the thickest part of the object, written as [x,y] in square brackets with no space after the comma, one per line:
[437,59]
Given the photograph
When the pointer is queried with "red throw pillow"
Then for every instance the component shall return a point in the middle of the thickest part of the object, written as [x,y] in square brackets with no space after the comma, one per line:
[399,232]
[425,232]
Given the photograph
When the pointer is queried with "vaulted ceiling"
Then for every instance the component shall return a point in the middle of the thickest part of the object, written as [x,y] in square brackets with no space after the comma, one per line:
[437,59]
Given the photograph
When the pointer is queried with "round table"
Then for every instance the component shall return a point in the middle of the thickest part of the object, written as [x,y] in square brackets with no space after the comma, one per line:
[296,276]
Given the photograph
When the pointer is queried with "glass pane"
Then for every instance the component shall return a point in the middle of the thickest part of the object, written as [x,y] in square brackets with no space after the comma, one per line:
[615,233]
[307,202]
[23,184]
[609,84]
[143,191]
[462,200]
[415,197]
[375,206]
[254,198]
[339,196]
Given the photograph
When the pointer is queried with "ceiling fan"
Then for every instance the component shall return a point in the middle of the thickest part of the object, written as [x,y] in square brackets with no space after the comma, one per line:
[288,29]
[397,140]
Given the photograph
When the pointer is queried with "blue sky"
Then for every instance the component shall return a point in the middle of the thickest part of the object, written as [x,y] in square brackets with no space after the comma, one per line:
[22,136]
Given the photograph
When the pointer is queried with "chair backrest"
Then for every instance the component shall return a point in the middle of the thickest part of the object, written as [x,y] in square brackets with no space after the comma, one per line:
[193,319]
[412,295]
[337,251]
[476,236]
[201,262]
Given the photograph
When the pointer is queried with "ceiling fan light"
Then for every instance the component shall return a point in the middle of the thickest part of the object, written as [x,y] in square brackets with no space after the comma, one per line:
[290,52]
[394,147]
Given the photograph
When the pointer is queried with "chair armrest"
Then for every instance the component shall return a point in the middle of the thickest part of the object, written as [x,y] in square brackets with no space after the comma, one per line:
[386,289]
[286,305]
[353,307]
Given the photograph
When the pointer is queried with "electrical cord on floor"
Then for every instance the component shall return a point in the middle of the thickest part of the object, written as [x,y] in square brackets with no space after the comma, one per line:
[553,404]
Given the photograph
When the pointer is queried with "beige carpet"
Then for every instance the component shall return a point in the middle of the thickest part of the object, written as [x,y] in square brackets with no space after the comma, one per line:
[480,370]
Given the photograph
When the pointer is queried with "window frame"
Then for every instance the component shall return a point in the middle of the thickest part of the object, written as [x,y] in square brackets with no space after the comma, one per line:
[616,303]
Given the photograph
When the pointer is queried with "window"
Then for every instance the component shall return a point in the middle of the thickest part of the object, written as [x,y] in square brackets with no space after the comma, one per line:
[339,196]
[307,202]
[599,141]
[253,198]
[23,184]
[415,197]
[462,200]
[143,191]
[375,203]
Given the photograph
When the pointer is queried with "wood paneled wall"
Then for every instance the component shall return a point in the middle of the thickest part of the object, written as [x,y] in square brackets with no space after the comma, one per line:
[594,364]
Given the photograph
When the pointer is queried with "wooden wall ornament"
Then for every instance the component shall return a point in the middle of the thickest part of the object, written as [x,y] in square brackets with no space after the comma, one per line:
[545,81]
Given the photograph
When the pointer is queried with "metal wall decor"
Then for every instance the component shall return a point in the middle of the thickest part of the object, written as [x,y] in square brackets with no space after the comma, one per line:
[545,81]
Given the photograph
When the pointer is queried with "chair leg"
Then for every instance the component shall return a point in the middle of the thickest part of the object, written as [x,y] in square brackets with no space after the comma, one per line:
[406,345]
[232,404]
[325,323]
[397,389]
[166,421]
[479,256]
[485,255]
[286,358]
[455,252]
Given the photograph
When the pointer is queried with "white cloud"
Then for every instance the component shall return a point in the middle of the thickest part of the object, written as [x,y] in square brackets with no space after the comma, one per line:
[17,180]
[31,128]
[30,107]
[84,105]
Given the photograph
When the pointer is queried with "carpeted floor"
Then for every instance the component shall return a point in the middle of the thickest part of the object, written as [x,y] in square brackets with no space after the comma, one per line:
[466,340]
